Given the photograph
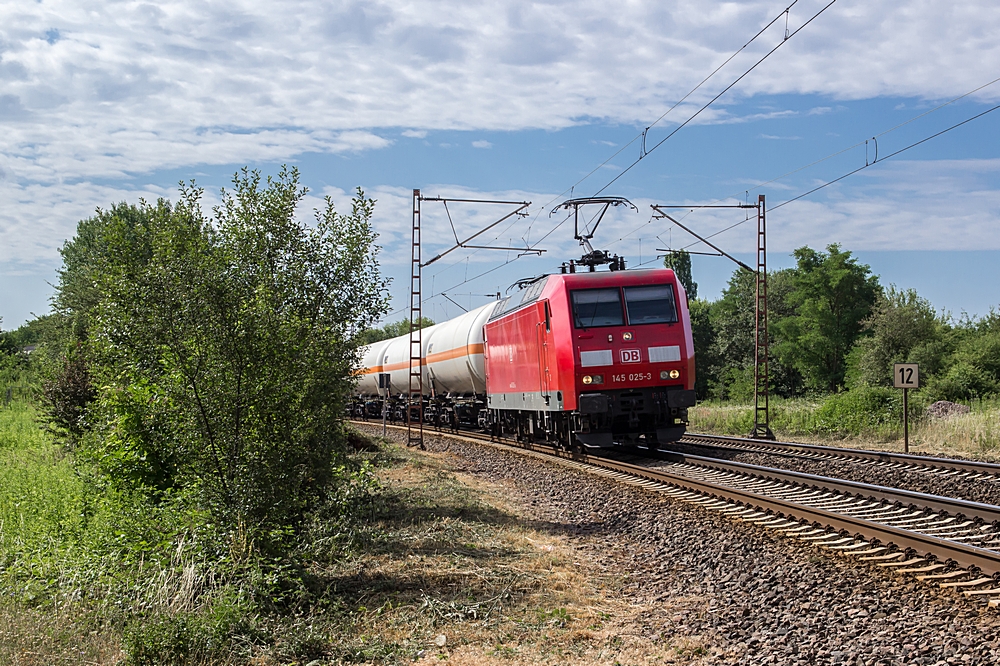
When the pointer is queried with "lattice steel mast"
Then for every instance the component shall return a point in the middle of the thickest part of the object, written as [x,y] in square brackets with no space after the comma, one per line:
[415,432]
[415,394]
[761,413]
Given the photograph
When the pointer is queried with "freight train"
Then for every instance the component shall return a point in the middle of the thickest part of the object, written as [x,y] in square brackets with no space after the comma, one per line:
[589,359]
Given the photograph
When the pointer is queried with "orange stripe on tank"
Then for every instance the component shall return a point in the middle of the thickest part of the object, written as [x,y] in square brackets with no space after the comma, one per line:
[439,357]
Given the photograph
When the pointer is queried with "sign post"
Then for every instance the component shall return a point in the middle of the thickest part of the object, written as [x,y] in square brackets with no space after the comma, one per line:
[906,376]
[384,385]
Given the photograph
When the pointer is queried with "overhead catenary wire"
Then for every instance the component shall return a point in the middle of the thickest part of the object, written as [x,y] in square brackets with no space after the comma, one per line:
[787,36]
[859,169]
[642,135]
[860,143]
[757,186]
[711,101]
[889,156]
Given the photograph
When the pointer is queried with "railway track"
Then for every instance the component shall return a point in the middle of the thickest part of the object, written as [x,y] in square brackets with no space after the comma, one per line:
[942,541]
[944,467]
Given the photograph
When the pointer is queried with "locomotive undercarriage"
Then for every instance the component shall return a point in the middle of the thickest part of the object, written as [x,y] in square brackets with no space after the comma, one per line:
[649,416]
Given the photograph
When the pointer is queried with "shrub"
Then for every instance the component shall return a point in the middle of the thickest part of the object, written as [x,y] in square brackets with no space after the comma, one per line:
[67,396]
[866,409]
[223,347]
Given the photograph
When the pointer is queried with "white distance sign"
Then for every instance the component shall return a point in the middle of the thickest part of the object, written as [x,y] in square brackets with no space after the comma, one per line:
[905,375]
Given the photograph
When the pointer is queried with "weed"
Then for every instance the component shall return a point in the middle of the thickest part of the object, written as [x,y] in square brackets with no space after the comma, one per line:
[504,652]
[557,617]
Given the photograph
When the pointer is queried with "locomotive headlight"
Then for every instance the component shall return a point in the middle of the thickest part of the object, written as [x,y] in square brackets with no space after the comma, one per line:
[587,379]
[626,336]
[598,379]
[674,374]
[664,374]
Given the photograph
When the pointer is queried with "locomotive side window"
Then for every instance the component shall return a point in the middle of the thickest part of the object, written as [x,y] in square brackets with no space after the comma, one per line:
[650,305]
[597,307]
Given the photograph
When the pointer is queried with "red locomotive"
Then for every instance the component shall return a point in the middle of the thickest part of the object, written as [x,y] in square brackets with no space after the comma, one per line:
[592,358]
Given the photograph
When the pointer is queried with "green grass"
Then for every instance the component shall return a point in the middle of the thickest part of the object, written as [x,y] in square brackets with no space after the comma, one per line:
[87,572]
[41,498]
[871,418]
[96,559]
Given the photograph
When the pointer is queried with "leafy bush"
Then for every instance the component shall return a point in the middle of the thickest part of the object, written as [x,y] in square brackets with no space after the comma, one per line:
[223,347]
[68,394]
[166,638]
[865,410]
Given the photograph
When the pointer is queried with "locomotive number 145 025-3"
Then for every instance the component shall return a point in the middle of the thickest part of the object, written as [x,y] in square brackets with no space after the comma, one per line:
[632,377]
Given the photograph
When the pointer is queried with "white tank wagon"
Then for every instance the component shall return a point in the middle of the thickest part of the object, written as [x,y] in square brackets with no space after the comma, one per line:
[451,359]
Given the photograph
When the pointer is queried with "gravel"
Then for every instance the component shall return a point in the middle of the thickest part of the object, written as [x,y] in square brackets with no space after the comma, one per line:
[975,490]
[755,596]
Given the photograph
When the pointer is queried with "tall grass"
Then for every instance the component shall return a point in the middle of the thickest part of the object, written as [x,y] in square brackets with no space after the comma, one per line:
[150,581]
[871,418]
[41,499]
[90,556]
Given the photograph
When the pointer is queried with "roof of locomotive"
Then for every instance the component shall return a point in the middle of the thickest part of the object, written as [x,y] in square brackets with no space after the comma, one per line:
[533,291]
[626,277]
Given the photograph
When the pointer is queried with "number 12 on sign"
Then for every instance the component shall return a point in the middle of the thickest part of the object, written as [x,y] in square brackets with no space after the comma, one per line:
[906,376]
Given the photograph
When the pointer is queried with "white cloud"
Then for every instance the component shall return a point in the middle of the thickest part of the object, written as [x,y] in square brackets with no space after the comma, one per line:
[93,93]
[947,205]
[896,206]
[110,88]
[482,143]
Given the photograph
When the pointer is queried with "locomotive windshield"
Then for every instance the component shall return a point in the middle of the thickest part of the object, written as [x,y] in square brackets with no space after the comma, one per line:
[597,307]
[650,305]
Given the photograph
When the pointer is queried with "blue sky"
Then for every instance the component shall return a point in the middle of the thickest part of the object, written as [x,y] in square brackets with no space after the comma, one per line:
[104,102]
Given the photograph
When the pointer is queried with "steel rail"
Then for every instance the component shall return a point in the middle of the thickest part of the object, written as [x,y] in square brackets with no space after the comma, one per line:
[887,457]
[929,546]
[988,512]
[964,555]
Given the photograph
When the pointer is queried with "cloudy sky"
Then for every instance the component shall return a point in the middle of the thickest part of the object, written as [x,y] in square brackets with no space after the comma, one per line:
[108,101]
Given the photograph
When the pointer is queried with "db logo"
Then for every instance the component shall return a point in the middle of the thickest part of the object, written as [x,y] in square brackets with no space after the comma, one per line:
[631,356]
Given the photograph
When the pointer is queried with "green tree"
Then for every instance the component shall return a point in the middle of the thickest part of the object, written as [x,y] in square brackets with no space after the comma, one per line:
[964,363]
[900,322]
[831,294]
[391,330]
[680,262]
[733,319]
[704,346]
[223,347]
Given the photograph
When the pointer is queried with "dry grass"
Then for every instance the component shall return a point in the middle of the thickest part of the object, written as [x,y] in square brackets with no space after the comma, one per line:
[463,578]
[29,637]
[447,569]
